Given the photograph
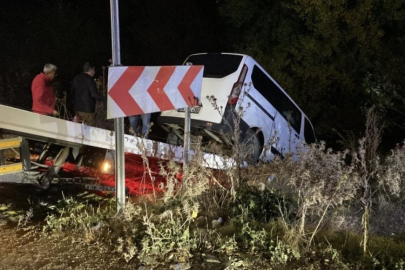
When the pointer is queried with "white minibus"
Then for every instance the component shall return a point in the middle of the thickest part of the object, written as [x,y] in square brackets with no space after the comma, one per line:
[271,122]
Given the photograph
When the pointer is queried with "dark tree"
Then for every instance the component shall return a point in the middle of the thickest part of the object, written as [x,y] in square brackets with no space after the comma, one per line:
[335,58]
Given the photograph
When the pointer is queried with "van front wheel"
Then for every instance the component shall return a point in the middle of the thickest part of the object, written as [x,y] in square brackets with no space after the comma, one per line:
[251,147]
[172,138]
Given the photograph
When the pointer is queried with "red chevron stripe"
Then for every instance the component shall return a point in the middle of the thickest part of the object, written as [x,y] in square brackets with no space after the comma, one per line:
[184,86]
[120,91]
[156,88]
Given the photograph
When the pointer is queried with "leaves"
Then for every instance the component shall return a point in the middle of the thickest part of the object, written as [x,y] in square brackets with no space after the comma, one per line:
[323,52]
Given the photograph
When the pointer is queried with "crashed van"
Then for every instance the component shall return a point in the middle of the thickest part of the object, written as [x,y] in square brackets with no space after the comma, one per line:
[237,93]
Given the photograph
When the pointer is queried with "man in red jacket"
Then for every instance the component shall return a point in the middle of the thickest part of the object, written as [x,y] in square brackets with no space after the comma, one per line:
[43,97]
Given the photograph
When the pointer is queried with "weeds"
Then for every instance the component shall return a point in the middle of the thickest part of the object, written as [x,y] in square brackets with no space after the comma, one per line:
[75,215]
[296,211]
[168,238]
[318,180]
[26,218]
[125,230]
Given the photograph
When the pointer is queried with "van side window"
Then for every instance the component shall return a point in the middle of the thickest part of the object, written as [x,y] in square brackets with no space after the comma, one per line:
[280,101]
[309,133]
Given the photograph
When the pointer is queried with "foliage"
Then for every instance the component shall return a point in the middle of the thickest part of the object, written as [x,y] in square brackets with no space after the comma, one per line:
[168,237]
[26,218]
[335,58]
[384,251]
[318,180]
[125,230]
[367,165]
[88,214]
[7,213]
[392,176]
[259,242]
[258,205]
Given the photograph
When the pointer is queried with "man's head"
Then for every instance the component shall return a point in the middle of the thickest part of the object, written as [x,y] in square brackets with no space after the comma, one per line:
[89,69]
[50,70]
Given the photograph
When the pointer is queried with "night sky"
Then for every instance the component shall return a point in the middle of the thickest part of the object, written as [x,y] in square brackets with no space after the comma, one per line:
[68,33]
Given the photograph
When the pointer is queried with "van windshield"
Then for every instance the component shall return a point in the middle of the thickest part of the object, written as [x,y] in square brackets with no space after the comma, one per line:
[216,65]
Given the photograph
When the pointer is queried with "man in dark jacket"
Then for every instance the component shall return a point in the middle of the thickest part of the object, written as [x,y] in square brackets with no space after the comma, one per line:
[85,95]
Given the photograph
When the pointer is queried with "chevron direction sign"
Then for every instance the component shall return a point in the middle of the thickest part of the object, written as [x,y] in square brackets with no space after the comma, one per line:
[134,90]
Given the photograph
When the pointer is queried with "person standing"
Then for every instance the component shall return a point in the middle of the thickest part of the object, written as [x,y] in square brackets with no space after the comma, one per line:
[43,96]
[134,122]
[85,94]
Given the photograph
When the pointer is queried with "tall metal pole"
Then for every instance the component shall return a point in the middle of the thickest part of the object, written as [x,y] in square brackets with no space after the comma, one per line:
[118,122]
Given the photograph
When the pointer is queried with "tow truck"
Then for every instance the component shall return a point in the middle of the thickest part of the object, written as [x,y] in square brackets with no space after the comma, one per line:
[42,150]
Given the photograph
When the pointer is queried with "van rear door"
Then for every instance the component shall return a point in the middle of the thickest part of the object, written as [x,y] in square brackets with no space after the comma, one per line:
[221,71]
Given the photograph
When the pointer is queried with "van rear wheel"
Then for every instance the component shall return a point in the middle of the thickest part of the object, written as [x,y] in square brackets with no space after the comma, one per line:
[251,147]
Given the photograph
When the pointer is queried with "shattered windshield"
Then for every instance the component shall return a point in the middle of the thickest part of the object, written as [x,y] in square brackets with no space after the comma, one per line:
[216,65]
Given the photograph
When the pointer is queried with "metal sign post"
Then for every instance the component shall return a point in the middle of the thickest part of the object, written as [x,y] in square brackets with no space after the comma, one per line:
[118,122]
[187,131]
[186,142]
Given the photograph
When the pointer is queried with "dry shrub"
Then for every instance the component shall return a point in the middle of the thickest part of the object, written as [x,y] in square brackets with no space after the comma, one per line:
[125,231]
[389,215]
[168,236]
[345,218]
[317,181]
[392,174]
[186,182]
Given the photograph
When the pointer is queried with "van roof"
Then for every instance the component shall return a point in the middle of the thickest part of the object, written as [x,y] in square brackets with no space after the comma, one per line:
[220,53]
